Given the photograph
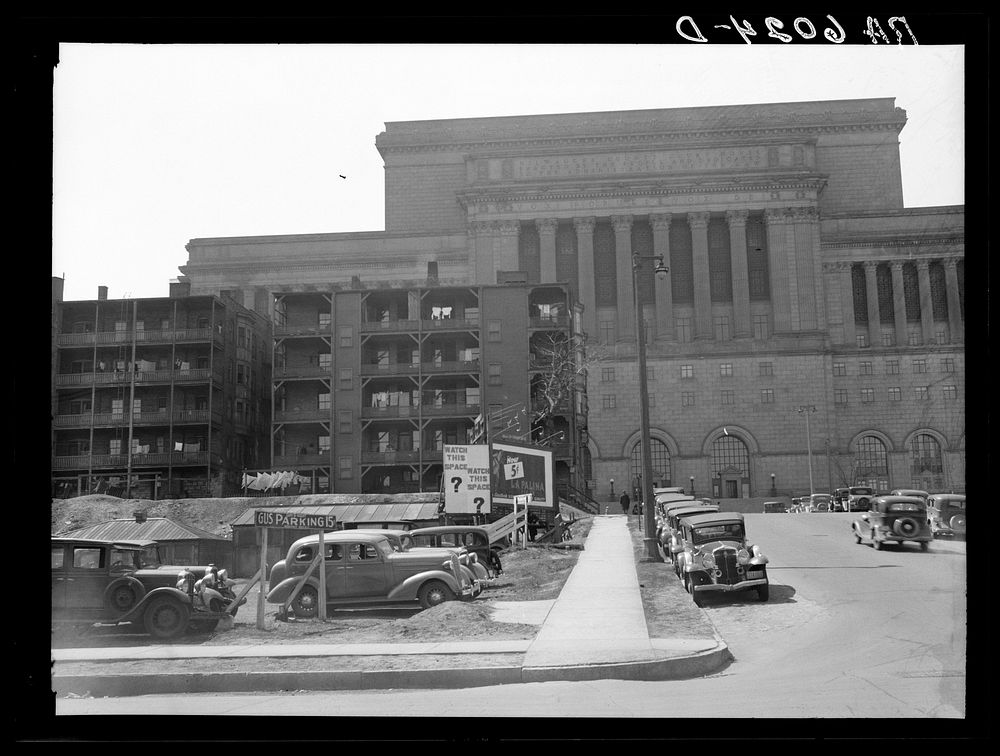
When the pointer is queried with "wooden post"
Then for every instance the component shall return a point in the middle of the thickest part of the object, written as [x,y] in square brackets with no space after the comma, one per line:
[322,578]
[263,577]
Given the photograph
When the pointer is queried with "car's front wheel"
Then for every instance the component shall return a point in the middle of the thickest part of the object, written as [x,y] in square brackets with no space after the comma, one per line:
[434,593]
[306,604]
[957,523]
[165,618]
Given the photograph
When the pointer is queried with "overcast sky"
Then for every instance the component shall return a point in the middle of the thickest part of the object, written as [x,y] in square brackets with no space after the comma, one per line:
[155,145]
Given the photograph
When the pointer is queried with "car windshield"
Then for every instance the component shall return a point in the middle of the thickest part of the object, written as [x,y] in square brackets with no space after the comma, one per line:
[861,491]
[952,504]
[729,531]
[149,557]
[905,506]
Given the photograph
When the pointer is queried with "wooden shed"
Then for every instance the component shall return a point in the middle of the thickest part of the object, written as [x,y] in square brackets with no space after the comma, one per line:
[178,543]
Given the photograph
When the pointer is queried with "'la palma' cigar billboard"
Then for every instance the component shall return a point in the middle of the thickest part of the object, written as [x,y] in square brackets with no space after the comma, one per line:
[516,470]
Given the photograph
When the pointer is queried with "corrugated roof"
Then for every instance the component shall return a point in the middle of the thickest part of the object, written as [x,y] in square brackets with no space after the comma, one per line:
[153,529]
[394,512]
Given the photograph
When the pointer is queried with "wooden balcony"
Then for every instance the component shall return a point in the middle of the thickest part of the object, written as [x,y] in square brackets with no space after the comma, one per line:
[123,378]
[553,321]
[295,461]
[165,336]
[302,416]
[450,324]
[390,326]
[301,371]
[156,459]
[386,368]
[309,329]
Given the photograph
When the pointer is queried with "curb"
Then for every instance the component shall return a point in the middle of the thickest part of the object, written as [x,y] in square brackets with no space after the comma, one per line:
[98,686]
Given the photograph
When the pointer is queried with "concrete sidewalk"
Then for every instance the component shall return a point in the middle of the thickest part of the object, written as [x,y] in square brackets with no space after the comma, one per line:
[595,629]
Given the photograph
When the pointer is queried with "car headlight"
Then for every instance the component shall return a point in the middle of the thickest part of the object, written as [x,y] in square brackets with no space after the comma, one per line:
[743,557]
[708,561]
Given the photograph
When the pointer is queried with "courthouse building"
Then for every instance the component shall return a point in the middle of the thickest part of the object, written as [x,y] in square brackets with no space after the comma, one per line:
[810,330]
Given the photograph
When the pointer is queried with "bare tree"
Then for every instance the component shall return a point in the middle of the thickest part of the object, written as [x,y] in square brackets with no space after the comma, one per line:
[560,362]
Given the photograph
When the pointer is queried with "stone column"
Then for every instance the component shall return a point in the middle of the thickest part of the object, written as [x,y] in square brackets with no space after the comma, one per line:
[899,303]
[547,248]
[807,298]
[626,291]
[844,270]
[664,297]
[585,268]
[703,327]
[871,290]
[956,326]
[506,259]
[737,220]
[482,250]
[777,263]
[926,308]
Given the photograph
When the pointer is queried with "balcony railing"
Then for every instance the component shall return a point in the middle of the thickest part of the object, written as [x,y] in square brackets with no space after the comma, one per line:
[293,461]
[460,366]
[391,457]
[310,415]
[449,324]
[552,321]
[116,419]
[395,410]
[123,377]
[386,368]
[152,336]
[390,326]
[309,329]
[82,461]
[302,371]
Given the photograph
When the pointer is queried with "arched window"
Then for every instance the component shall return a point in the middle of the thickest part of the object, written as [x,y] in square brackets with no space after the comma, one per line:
[926,462]
[661,464]
[871,467]
[730,468]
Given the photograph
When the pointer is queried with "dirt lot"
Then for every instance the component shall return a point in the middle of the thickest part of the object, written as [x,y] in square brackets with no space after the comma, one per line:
[534,574]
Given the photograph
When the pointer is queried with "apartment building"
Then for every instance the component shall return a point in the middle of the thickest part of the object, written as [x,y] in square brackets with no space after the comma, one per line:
[157,397]
[370,384]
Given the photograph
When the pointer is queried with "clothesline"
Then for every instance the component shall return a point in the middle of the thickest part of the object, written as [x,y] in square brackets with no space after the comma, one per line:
[266,481]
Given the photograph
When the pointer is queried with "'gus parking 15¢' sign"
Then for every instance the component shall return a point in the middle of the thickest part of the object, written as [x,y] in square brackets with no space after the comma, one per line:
[269,518]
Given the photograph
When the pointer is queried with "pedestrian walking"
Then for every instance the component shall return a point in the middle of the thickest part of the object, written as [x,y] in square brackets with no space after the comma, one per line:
[532,526]
[625,501]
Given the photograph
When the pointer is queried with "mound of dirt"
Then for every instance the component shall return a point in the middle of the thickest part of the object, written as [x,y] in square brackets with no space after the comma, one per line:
[211,515]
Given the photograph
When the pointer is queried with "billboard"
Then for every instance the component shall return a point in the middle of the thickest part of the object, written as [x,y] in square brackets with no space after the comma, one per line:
[517,469]
[466,479]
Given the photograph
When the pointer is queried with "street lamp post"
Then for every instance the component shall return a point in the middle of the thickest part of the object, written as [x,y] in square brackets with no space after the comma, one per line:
[808,409]
[649,523]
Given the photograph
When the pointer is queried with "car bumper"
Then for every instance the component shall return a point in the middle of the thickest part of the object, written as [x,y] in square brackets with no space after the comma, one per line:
[470,591]
[727,588]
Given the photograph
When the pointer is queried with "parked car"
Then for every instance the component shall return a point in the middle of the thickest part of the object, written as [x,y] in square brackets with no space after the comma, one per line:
[896,519]
[472,538]
[909,492]
[797,505]
[362,567]
[670,537]
[122,581]
[773,507]
[946,514]
[402,540]
[840,499]
[718,558]
[820,503]
[854,499]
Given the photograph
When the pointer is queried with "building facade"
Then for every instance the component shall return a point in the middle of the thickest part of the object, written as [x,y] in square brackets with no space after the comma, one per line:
[157,397]
[810,333]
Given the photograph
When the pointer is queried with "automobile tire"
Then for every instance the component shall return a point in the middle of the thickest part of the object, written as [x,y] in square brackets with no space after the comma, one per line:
[863,503]
[695,596]
[306,604]
[165,618]
[434,593]
[207,625]
[121,599]
[763,592]
[957,523]
[906,526]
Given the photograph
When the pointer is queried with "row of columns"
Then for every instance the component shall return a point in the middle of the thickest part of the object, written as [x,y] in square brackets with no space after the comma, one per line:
[955,323]
[792,246]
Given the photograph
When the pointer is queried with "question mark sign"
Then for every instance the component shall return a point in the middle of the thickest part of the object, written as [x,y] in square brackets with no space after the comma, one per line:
[479,501]
[457,481]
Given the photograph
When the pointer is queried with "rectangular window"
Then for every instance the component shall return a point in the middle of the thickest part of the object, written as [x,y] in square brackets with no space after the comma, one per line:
[115,446]
[346,336]
[721,323]
[892,367]
[921,393]
[861,340]
[650,373]
[493,332]
[913,338]
[840,368]
[940,336]
[687,371]
[651,399]
[325,360]
[888,338]
[608,401]
[726,369]
[767,396]
[920,366]
[949,393]
[607,375]
[947,365]
[345,421]
[411,476]
[895,394]
[760,327]
[345,468]
[324,319]
[323,444]
[767,368]
[727,397]
[865,368]
[867,395]
[687,398]
[683,328]
[323,402]
[494,376]
[840,396]
[345,379]
[606,331]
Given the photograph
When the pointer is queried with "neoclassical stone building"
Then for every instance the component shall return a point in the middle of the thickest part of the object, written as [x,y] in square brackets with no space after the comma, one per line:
[810,331]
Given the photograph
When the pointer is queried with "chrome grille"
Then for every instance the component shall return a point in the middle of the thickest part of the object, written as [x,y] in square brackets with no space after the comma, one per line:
[725,562]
